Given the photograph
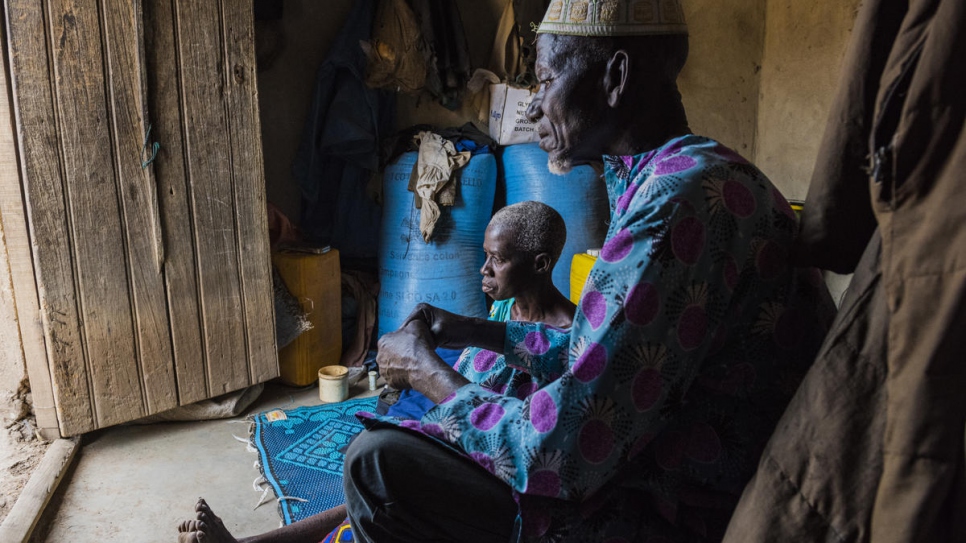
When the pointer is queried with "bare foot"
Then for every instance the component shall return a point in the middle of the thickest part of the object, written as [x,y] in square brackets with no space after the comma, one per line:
[206,528]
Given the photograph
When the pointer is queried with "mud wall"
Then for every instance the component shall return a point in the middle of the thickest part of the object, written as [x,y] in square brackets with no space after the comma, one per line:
[804,46]
[721,81]
[12,368]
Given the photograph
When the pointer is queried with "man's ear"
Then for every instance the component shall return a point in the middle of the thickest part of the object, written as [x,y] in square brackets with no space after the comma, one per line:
[542,263]
[615,77]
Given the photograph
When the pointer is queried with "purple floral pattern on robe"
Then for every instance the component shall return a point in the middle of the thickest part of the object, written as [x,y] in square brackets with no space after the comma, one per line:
[692,334]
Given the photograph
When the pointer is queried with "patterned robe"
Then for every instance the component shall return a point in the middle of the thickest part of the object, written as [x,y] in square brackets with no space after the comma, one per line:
[490,369]
[692,334]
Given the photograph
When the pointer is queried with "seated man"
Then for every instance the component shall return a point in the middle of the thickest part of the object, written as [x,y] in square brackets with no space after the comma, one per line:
[692,333]
[522,244]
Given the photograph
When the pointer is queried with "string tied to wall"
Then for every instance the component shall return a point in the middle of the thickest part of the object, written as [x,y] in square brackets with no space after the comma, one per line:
[149,147]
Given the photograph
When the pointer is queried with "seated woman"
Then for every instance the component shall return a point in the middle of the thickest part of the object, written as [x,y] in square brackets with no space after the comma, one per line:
[522,244]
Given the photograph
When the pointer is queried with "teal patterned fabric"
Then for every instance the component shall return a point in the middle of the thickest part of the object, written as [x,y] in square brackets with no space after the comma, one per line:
[491,371]
[692,334]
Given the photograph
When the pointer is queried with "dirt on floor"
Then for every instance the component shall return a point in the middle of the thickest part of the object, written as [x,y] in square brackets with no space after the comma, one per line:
[21,449]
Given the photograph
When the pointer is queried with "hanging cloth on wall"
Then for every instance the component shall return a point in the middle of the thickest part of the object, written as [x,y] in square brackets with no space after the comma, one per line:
[395,57]
[446,50]
[511,66]
[513,53]
[438,158]
[339,151]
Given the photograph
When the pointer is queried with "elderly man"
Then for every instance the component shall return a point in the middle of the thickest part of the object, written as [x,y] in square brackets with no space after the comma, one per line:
[522,244]
[692,333]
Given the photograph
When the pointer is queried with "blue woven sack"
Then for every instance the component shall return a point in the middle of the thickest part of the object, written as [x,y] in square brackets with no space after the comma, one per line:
[580,197]
[446,271]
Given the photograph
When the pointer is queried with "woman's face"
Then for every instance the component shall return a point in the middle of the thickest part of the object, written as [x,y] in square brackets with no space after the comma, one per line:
[506,270]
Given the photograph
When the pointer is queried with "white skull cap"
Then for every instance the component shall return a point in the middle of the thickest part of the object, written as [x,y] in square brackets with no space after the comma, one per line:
[614,18]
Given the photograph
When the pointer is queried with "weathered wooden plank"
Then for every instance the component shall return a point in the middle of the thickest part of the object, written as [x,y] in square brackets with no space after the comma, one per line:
[23,517]
[248,173]
[202,67]
[44,194]
[17,241]
[141,221]
[94,216]
[164,99]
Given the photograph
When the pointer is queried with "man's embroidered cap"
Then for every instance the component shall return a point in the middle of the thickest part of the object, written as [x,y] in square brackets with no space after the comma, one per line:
[614,18]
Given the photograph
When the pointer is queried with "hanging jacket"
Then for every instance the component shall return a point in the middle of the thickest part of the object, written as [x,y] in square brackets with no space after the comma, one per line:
[339,151]
[872,446]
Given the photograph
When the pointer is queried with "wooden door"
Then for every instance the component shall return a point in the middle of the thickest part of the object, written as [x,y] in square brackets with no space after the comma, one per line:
[152,270]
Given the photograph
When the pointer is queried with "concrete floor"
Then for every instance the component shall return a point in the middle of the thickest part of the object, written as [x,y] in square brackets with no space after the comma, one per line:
[136,483]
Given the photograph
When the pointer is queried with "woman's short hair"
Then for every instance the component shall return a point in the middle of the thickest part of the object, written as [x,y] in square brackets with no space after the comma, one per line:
[535,228]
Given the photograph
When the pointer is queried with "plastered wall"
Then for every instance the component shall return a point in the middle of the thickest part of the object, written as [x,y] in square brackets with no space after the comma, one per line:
[804,46]
[720,82]
[12,368]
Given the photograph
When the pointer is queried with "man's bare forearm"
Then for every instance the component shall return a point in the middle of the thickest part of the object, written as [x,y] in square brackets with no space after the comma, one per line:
[472,332]
[441,384]
[452,331]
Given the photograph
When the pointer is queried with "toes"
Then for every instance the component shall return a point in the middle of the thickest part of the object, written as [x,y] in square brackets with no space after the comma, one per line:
[205,511]
[187,526]
[212,524]
[205,514]
[209,518]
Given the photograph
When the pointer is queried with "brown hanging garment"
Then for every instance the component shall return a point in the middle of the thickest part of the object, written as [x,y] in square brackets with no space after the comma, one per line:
[395,60]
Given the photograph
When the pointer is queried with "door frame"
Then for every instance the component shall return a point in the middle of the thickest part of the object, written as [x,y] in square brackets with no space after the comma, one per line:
[17,242]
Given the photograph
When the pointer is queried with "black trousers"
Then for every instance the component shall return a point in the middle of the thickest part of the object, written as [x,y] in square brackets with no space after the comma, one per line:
[403,487]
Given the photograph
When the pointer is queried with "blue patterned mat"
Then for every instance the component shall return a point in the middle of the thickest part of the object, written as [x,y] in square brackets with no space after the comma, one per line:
[301,453]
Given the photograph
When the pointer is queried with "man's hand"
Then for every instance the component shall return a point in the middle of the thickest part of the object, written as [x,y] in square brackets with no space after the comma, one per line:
[407,359]
[452,331]
[438,321]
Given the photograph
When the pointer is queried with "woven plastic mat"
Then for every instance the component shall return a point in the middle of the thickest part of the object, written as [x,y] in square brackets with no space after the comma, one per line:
[301,452]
